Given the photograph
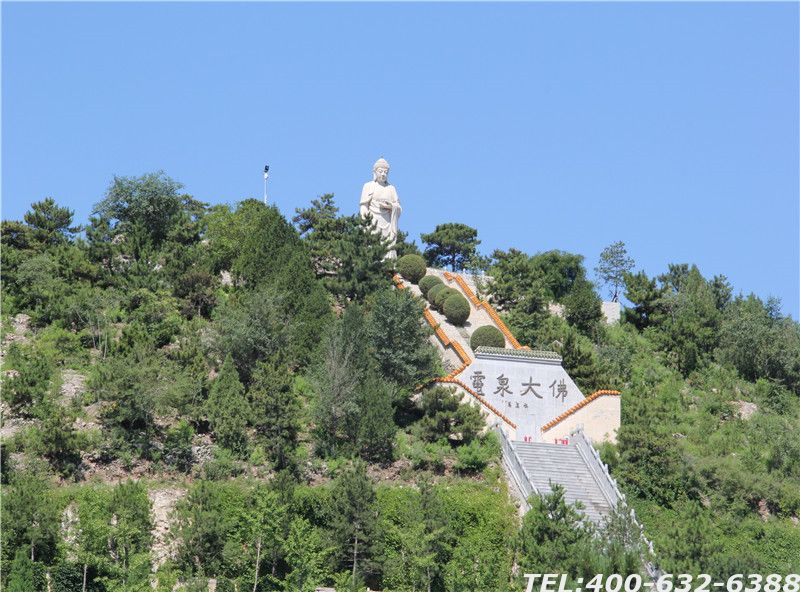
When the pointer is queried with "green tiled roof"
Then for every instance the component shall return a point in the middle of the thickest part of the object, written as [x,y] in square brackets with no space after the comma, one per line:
[519,353]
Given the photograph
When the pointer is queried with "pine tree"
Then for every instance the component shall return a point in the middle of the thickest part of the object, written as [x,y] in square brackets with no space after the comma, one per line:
[227,408]
[376,426]
[24,577]
[451,244]
[275,410]
[614,264]
[354,518]
[399,341]
[342,368]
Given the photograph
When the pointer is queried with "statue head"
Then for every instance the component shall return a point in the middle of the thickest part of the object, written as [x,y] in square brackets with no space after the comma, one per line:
[380,171]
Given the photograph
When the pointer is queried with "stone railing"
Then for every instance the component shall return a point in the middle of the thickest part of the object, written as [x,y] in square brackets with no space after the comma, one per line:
[450,277]
[599,470]
[514,464]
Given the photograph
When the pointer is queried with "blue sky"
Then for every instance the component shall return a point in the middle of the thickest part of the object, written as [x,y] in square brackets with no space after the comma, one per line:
[672,127]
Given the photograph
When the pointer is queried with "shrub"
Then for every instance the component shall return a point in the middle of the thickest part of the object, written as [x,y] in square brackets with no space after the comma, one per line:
[488,336]
[432,292]
[456,309]
[411,267]
[441,296]
[428,282]
[178,446]
[429,456]
[477,454]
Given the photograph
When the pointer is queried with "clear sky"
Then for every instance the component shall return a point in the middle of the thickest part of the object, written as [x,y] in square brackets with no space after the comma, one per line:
[672,127]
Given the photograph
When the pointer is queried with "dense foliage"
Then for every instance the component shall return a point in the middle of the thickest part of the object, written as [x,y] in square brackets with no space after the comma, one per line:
[262,372]
[710,387]
[260,381]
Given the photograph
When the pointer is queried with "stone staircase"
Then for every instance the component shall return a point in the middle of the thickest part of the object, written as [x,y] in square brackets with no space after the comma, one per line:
[564,465]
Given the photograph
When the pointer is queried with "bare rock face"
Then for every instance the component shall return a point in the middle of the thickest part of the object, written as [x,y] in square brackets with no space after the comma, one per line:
[744,409]
[163,502]
[69,527]
[73,384]
[20,325]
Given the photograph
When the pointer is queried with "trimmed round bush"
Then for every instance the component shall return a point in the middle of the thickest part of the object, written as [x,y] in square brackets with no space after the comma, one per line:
[488,336]
[456,309]
[428,282]
[412,267]
[432,292]
[441,296]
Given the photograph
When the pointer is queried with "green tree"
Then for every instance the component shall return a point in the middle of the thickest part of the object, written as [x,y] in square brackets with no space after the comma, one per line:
[178,446]
[760,343]
[307,557]
[30,514]
[130,527]
[376,429]
[722,290]
[206,519]
[399,340]
[275,411]
[227,408]
[354,519]
[644,294]
[252,326]
[347,255]
[583,308]
[50,223]
[322,211]
[57,440]
[560,272]
[130,384]
[264,519]
[554,536]
[94,530]
[24,575]
[29,387]
[40,288]
[151,202]
[691,543]
[614,264]
[687,319]
[451,244]
[445,417]
[342,367]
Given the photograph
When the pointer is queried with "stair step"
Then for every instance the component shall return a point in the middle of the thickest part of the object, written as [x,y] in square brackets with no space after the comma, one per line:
[563,465]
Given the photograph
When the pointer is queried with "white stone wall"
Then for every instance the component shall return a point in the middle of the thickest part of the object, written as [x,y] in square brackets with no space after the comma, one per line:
[611,312]
[531,396]
[600,421]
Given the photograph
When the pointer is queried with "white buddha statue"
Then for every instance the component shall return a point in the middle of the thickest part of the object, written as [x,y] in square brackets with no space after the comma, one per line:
[379,198]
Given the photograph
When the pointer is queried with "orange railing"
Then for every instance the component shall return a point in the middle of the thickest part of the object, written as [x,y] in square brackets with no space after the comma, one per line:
[441,335]
[462,355]
[577,406]
[485,306]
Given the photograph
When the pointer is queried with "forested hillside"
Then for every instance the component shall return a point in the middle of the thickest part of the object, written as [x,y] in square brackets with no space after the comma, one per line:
[197,392]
